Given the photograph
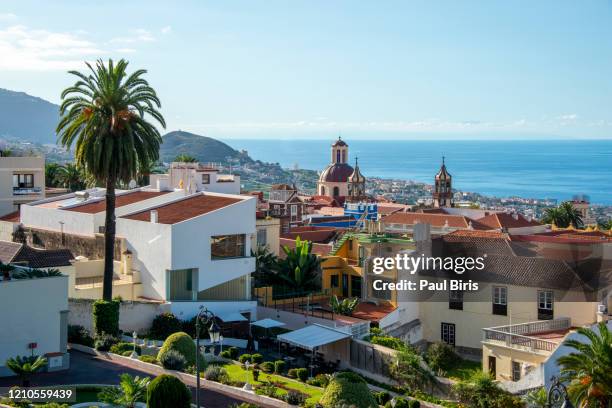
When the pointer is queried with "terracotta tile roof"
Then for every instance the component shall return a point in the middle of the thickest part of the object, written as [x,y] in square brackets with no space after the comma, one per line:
[184,209]
[319,249]
[435,220]
[372,312]
[506,220]
[477,234]
[12,252]
[11,217]
[120,201]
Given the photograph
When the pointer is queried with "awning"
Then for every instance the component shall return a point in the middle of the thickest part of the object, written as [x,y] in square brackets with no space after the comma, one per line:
[313,336]
[268,323]
[231,317]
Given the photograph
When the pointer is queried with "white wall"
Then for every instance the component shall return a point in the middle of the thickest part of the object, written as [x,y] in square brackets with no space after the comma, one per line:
[186,310]
[31,314]
[50,218]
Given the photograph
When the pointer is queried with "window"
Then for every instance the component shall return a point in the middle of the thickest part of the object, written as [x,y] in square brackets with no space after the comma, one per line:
[350,244]
[516,371]
[294,210]
[384,294]
[336,192]
[227,246]
[545,305]
[337,156]
[455,300]
[23,181]
[448,333]
[262,237]
[356,286]
[181,284]
[205,178]
[335,282]
[500,300]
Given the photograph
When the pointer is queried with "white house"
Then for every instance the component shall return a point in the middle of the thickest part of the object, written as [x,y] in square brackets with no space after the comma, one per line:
[195,177]
[34,320]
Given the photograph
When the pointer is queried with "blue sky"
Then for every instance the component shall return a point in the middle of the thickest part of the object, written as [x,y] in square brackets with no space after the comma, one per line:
[405,69]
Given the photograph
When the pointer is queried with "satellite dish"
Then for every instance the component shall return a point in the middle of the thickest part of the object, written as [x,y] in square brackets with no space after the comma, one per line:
[132,184]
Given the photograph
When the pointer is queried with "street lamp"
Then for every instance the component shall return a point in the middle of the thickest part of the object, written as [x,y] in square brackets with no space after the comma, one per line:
[557,395]
[247,384]
[204,317]
[134,353]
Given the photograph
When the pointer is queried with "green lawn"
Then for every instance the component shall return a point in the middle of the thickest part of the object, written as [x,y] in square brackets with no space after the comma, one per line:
[237,373]
[464,370]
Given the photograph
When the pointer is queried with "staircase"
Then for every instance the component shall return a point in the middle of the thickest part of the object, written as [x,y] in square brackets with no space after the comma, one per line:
[338,243]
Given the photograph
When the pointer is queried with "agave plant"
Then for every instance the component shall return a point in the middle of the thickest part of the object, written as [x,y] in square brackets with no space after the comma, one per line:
[345,306]
[24,273]
[6,270]
[128,393]
[26,366]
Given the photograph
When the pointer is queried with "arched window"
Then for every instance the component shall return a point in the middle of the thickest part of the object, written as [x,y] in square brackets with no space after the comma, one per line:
[338,156]
[344,156]
[322,190]
[336,191]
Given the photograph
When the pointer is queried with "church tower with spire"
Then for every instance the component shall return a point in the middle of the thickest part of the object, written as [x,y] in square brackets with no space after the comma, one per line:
[356,185]
[443,188]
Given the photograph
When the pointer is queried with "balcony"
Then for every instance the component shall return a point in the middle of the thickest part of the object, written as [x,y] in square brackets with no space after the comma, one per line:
[540,336]
[19,191]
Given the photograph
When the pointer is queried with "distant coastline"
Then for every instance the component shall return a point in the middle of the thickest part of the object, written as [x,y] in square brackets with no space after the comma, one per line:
[544,169]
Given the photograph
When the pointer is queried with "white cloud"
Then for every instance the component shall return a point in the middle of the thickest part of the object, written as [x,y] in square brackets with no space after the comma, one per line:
[166,30]
[23,48]
[125,50]
[136,36]
[568,117]
[7,17]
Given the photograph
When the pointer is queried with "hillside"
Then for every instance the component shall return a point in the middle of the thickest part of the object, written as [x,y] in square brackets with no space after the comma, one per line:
[203,148]
[27,118]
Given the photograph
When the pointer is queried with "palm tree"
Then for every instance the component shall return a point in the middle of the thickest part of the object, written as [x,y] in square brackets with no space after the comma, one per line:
[6,270]
[572,215]
[300,270]
[128,393]
[554,216]
[185,158]
[264,264]
[344,307]
[536,398]
[106,115]
[25,367]
[70,176]
[589,370]
[50,174]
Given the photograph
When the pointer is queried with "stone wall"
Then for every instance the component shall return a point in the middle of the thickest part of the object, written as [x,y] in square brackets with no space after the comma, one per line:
[132,315]
[90,247]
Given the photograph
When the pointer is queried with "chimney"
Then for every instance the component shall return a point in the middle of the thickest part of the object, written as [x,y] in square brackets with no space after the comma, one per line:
[154,216]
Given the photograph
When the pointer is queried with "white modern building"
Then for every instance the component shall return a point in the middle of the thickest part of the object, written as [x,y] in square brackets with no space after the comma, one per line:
[195,177]
[172,246]
[34,320]
[22,179]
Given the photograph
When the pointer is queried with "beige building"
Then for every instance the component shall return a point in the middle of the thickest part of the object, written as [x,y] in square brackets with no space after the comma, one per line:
[22,180]
[267,234]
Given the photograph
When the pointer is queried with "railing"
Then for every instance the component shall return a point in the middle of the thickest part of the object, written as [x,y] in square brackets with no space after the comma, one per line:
[517,335]
[309,304]
[26,190]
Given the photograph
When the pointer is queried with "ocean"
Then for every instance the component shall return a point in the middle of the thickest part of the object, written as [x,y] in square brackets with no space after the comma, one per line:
[558,169]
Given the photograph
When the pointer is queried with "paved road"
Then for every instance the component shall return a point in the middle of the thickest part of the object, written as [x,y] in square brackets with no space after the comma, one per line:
[86,369]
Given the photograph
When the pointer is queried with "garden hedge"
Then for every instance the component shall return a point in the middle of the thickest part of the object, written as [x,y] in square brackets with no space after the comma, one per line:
[105,317]
[182,343]
[341,391]
[168,391]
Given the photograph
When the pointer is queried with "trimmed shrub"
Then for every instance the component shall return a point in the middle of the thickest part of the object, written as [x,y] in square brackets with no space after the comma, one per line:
[164,325]
[148,359]
[382,397]
[244,358]
[320,380]
[79,335]
[226,354]
[294,397]
[414,404]
[255,375]
[172,360]
[233,352]
[292,373]
[183,344]
[279,366]
[168,391]
[342,391]
[216,373]
[351,377]
[105,316]
[388,341]
[302,374]
[103,341]
[256,358]
[441,356]
[123,346]
[267,367]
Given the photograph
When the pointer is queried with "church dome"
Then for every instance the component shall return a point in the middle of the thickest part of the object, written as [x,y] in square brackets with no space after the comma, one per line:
[336,173]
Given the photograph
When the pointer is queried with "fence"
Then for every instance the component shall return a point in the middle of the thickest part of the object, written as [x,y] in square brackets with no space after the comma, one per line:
[517,335]
[371,358]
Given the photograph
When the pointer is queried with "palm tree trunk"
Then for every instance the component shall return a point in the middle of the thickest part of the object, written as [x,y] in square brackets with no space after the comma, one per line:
[109,241]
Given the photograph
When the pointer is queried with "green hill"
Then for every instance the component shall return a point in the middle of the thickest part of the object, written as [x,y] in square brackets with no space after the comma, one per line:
[204,149]
[27,118]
